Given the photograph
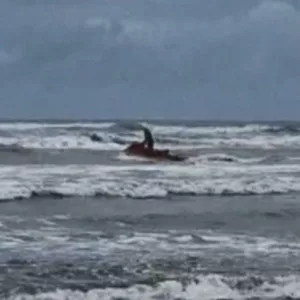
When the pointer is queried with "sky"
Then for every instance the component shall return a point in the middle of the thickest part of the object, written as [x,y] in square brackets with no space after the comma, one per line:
[192,59]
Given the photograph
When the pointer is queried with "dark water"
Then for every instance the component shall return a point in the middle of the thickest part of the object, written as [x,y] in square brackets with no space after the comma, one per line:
[80,220]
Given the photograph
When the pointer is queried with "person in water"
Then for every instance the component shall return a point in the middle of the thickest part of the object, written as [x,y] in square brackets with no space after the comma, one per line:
[148,144]
[148,139]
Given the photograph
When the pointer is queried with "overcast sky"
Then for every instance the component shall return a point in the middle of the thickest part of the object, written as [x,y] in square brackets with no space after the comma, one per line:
[212,59]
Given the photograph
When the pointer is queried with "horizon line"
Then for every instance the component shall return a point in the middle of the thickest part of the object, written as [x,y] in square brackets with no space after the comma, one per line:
[172,120]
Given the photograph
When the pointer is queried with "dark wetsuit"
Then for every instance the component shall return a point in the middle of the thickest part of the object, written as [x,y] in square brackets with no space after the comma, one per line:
[148,140]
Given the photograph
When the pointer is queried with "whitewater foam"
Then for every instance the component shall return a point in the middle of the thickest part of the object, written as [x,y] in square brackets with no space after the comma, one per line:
[206,287]
[147,181]
[76,136]
[24,126]
[60,242]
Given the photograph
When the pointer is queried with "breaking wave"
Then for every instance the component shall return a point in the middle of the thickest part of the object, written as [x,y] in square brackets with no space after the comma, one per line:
[113,136]
[206,287]
[206,172]
[147,181]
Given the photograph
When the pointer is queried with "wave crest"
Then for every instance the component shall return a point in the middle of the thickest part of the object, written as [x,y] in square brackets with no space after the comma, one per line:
[155,188]
[114,135]
[206,287]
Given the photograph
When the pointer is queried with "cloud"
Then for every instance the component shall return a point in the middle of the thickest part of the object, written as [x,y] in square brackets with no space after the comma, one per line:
[200,59]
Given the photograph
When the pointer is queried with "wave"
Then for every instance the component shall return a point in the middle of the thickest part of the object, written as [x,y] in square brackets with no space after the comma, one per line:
[23,126]
[159,127]
[219,157]
[226,129]
[109,142]
[223,157]
[12,148]
[147,180]
[115,135]
[283,129]
[206,287]
[149,189]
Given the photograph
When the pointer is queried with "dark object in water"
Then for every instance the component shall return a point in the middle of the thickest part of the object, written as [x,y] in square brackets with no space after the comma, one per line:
[138,149]
[96,138]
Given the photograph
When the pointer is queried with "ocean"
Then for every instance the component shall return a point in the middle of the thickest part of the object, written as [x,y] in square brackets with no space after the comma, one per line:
[81,220]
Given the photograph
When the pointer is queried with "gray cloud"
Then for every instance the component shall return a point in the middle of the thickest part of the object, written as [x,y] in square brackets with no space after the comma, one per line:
[198,59]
